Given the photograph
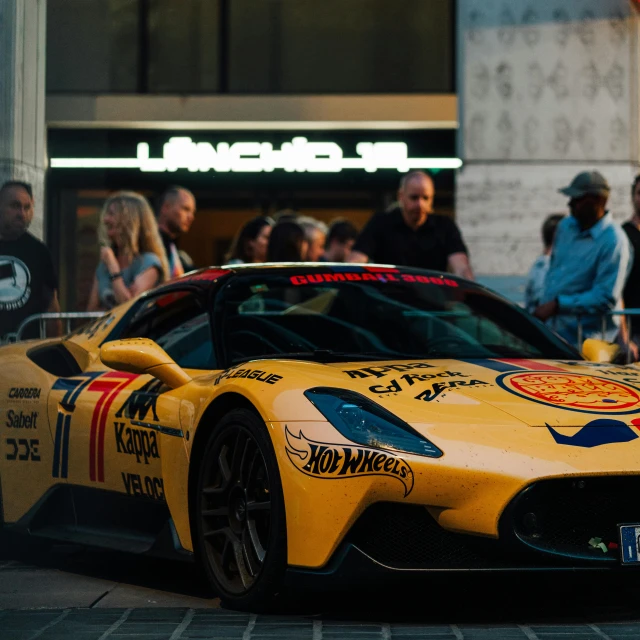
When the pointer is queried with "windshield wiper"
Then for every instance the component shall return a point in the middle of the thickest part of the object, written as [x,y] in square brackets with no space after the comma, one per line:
[322,355]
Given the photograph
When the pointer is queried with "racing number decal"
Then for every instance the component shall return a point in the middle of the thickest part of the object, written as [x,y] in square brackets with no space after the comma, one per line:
[109,385]
[73,387]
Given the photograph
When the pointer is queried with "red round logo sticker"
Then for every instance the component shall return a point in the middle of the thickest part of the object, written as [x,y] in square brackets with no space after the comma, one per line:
[573,391]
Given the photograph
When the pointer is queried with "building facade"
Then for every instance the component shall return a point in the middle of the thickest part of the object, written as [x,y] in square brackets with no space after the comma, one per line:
[254,105]
[546,90]
[260,105]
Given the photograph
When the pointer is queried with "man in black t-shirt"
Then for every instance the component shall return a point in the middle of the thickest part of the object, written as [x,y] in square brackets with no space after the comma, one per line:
[410,236]
[631,293]
[28,283]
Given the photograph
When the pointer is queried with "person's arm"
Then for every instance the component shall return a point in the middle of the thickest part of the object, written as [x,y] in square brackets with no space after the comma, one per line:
[624,338]
[458,264]
[54,327]
[611,273]
[94,297]
[145,281]
[458,255]
[367,241]
[532,289]
[358,256]
[120,291]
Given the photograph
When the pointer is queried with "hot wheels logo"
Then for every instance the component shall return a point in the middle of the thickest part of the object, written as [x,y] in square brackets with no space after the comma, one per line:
[337,461]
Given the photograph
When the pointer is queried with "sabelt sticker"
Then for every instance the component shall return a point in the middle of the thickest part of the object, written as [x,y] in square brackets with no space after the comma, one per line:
[573,392]
[329,461]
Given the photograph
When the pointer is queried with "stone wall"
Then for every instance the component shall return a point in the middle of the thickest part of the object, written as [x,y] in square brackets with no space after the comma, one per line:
[22,97]
[546,89]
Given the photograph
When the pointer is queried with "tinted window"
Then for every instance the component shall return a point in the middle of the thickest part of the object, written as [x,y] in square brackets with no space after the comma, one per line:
[338,46]
[179,323]
[401,315]
[250,46]
[92,46]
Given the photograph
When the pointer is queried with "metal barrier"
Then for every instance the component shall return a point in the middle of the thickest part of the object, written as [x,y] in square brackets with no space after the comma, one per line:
[603,317]
[43,318]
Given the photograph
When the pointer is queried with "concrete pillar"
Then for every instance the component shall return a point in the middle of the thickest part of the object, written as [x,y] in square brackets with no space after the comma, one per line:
[546,89]
[22,97]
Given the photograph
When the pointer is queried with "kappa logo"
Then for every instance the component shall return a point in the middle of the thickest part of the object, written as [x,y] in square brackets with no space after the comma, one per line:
[138,404]
[141,443]
[338,462]
[428,395]
[411,378]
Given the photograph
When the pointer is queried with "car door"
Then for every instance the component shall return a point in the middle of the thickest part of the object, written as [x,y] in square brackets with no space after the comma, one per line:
[119,422]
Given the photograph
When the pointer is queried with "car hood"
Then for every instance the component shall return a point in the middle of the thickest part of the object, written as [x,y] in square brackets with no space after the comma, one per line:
[538,393]
[462,393]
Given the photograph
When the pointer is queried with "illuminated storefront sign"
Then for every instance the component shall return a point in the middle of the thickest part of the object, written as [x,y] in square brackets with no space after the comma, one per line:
[300,155]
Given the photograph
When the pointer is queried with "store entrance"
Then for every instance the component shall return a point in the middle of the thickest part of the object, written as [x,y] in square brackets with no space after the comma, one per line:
[75,214]
[327,175]
[213,230]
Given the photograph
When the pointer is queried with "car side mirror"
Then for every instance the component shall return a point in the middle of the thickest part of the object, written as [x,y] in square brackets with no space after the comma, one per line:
[143,356]
[599,350]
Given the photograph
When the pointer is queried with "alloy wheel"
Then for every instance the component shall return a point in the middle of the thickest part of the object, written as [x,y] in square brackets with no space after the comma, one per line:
[235,509]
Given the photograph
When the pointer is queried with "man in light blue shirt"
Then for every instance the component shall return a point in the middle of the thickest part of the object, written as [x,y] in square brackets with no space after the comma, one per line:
[590,262]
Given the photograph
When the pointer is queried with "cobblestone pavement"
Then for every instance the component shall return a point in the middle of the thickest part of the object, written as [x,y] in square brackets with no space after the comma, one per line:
[218,624]
[73,593]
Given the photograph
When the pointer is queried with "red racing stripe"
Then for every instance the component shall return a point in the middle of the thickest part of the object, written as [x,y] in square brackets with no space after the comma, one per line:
[103,388]
[103,422]
[530,364]
[109,385]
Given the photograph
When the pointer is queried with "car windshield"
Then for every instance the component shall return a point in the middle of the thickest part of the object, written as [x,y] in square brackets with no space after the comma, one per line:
[342,315]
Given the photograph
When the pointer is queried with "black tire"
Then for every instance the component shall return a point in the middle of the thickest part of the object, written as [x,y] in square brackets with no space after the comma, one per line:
[240,524]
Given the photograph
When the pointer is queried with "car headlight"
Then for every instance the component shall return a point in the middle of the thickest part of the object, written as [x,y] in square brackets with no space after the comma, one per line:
[365,422]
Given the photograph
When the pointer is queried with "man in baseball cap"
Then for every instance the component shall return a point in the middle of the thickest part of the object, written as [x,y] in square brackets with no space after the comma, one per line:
[587,182]
[590,262]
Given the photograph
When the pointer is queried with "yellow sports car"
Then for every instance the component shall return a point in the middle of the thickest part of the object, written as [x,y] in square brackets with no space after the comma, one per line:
[297,424]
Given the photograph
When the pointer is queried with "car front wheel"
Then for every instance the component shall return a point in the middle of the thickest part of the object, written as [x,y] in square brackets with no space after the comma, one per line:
[240,515]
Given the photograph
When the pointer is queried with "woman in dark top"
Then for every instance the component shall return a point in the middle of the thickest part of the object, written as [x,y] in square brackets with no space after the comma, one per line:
[251,242]
[287,243]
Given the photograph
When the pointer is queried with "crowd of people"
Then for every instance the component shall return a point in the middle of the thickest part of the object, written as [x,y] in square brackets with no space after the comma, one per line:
[586,270]
[590,266]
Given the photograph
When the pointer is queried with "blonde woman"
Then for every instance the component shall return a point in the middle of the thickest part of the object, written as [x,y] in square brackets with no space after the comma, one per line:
[132,258]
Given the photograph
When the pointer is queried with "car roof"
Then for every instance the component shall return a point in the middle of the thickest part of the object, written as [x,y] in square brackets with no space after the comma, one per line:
[211,277]
[275,267]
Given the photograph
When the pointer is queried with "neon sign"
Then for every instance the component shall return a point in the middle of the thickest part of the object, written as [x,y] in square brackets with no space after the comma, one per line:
[299,155]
